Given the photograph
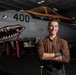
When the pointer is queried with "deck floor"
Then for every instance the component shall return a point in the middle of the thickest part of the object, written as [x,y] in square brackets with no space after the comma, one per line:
[27,64]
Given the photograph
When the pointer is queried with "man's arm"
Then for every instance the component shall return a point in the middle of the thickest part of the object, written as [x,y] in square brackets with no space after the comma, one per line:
[51,56]
[48,56]
[58,59]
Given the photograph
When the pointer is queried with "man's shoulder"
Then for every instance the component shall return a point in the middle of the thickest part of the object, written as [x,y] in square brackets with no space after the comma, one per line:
[44,39]
[62,39]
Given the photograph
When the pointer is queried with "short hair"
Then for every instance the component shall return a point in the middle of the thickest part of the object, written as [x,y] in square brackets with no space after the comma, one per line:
[53,20]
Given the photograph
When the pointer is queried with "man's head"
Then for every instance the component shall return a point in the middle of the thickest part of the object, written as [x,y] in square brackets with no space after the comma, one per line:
[53,26]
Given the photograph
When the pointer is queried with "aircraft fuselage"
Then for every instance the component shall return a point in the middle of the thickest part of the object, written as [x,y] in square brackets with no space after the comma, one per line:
[15,25]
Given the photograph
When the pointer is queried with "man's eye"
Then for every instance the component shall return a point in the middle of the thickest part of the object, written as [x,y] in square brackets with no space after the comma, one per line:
[56,26]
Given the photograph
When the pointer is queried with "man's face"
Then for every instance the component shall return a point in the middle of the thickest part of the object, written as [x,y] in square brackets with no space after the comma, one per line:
[53,28]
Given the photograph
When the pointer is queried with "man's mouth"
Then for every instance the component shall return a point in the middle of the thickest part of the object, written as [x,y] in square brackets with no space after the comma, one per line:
[10,31]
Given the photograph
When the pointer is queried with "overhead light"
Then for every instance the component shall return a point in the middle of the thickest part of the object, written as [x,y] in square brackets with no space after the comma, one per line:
[73,18]
[55,9]
[41,2]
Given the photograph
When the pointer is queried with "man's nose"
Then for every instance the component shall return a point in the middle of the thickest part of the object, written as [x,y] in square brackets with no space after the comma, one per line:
[53,28]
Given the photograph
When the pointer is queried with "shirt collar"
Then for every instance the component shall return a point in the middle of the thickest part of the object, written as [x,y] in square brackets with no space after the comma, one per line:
[53,39]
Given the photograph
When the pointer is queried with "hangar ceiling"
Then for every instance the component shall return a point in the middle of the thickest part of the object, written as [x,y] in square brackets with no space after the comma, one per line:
[64,7]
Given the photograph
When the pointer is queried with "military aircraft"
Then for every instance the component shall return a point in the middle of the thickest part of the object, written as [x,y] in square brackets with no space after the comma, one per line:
[16,25]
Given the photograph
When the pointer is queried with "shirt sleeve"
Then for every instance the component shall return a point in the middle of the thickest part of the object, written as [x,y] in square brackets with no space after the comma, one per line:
[65,51]
[40,48]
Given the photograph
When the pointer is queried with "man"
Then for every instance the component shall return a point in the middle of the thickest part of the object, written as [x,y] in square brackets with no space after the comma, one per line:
[53,51]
